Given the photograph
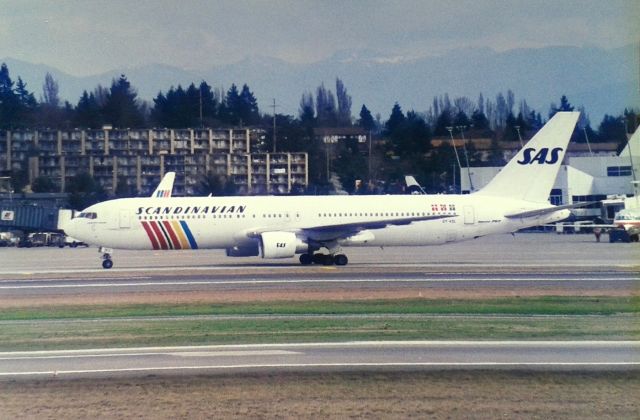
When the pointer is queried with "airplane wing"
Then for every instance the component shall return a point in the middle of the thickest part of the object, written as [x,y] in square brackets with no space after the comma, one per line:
[165,186]
[547,210]
[345,230]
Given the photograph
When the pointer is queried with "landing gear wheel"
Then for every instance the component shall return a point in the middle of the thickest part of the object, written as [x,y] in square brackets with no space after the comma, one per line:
[107,263]
[306,259]
[318,258]
[341,259]
[328,260]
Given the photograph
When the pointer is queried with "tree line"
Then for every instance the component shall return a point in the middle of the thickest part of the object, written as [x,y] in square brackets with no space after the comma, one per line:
[402,141]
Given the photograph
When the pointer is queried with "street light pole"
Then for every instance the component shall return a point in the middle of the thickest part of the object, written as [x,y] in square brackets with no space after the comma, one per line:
[466,156]
[517,127]
[369,156]
[450,130]
[274,125]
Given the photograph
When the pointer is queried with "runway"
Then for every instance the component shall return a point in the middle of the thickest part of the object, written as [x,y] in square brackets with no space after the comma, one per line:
[524,265]
[586,281]
[361,356]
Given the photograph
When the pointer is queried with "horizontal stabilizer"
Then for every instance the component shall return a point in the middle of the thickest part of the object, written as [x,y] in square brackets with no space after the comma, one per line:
[547,210]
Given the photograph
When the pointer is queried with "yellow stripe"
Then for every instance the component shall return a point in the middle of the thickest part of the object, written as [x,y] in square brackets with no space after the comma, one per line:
[178,229]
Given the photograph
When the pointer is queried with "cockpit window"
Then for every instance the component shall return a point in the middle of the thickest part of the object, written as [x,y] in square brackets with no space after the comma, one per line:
[88,215]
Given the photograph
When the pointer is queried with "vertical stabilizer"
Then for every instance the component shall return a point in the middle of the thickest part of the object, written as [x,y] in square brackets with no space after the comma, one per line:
[530,175]
[165,186]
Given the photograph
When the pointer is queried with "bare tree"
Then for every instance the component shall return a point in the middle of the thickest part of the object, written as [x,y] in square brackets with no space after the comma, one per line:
[344,103]
[50,91]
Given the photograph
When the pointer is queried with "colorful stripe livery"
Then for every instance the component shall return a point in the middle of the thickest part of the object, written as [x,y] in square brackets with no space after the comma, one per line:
[163,193]
[169,234]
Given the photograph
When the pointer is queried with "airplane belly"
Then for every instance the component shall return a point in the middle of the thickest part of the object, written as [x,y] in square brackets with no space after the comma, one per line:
[421,233]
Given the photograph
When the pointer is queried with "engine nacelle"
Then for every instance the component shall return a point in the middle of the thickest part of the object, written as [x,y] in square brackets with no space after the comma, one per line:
[244,251]
[278,244]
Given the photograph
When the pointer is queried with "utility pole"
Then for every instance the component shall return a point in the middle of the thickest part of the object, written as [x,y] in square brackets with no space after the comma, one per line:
[274,125]
[201,120]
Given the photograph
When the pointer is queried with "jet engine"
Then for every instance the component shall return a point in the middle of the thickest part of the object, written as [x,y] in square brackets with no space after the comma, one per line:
[278,244]
[243,251]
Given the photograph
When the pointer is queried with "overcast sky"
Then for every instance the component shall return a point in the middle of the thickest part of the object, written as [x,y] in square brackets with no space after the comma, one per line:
[84,37]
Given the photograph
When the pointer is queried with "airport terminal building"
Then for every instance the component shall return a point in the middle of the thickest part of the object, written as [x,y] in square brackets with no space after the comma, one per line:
[140,157]
[586,175]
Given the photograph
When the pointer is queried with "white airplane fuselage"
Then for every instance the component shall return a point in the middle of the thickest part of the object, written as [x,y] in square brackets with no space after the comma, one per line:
[225,222]
[281,227]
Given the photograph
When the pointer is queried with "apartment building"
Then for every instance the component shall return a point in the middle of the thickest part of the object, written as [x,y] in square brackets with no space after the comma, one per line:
[136,160]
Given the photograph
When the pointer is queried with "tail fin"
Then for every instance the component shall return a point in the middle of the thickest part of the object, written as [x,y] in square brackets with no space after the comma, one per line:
[531,173]
[165,186]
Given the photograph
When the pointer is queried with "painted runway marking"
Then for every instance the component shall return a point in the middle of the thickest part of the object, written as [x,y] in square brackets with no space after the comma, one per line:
[344,344]
[228,353]
[325,365]
[581,264]
[77,283]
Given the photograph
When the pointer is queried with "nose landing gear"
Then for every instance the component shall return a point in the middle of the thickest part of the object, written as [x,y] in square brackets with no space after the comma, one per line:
[106,257]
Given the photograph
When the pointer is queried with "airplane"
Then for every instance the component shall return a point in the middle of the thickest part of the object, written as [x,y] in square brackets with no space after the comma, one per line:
[318,227]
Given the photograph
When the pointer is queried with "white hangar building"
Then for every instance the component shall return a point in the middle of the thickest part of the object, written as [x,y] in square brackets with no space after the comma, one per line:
[581,178]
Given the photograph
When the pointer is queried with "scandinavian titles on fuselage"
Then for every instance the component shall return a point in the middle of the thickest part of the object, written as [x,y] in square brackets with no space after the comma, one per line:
[158,210]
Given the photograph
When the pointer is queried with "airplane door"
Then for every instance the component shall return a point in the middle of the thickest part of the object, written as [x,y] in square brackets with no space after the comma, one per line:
[125,220]
[469,215]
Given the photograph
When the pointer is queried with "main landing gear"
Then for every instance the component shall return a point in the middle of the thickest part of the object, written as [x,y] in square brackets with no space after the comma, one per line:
[107,262]
[324,259]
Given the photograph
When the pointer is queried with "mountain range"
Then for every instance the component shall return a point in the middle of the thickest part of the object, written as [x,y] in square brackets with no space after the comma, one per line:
[603,81]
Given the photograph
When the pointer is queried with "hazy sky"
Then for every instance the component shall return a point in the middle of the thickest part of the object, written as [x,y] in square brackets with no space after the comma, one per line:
[84,37]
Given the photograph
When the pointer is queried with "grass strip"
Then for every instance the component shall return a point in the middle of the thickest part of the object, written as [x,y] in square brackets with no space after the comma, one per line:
[72,334]
[545,305]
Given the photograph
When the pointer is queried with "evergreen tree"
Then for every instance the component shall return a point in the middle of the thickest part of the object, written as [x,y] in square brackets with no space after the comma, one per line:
[87,112]
[612,129]
[306,112]
[26,105]
[564,106]
[121,108]
[248,107]
[43,184]
[442,122]
[366,120]
[479,120]
[209,104]
[231,107]
[9,104]
[395,120]
[84,191]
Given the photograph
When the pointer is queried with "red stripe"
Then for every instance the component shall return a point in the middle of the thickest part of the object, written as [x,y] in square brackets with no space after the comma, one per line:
[172,234]
[152,237]
[159,235]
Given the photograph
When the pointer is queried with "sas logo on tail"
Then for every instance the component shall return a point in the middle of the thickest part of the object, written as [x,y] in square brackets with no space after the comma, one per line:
[542,157]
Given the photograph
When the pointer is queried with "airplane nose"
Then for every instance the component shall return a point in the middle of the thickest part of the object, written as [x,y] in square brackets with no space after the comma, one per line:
[71,228]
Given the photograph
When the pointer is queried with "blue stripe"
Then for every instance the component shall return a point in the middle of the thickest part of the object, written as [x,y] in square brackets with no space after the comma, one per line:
[190,237]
